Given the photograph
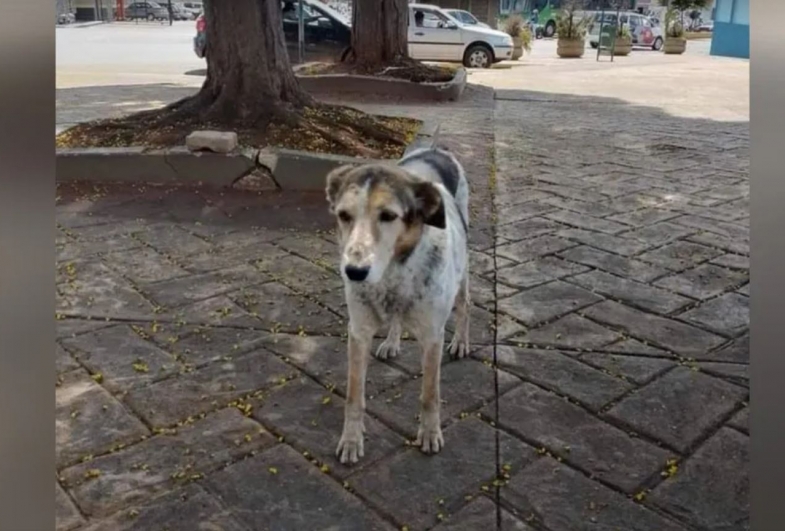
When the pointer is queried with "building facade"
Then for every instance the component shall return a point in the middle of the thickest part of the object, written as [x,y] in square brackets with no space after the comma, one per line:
[731,35]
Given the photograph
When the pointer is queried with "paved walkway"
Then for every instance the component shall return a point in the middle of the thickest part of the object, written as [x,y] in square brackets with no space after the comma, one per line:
[201,343]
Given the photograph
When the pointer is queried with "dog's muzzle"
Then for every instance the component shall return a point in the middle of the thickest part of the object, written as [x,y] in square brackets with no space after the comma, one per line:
[356,274]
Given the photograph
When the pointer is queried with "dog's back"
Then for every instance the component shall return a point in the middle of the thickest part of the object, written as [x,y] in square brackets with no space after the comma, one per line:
[441,167]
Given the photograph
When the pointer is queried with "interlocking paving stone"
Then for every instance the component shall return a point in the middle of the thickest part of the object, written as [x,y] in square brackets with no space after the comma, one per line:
[99,292]
[732,261]
[216,311]
[144,265]
[326,359]
[186,395]
[632,346]
[695,495]
[739,373]
[598,210]
[173,239]
[197,345]
[644,216]
[482,263]
[728,314]
[681,255]
[737,350]
[679,408]
[564,500]
[528,228]
[67,516]
[578,437]
[410,484]
[605,242]
[523,211]
[583,221]
[300,274]
[310,418]
[547,301]
[534,248]
[571,331]
[741,420]
[612,263]
[724,243]
[63,360]
[88,420]
[193,288]
[485,327]
[227,256]
[484,292]
[66,328]
[465,385]
[637,369]
[121,357]
[538,271]
[678,337]
[703,282]
[744,290]
[281,486]
[631,292]
[562,373]
[279,308]
[183,510]
[164,462]
[481,514]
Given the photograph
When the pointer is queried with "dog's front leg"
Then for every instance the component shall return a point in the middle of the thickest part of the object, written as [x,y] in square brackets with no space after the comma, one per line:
[350,447]
[429,434]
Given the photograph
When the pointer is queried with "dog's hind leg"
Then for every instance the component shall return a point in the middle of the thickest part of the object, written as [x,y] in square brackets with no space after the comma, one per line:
[459,346]
[391,346]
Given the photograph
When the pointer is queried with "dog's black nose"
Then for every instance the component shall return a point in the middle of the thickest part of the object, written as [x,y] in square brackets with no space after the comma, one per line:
[357,274]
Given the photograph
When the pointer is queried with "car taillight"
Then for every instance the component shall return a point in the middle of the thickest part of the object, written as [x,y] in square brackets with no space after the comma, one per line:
[200,24]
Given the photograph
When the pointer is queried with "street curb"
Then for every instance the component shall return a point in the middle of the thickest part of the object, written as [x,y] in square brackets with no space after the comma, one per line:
[288,169]
[389,87]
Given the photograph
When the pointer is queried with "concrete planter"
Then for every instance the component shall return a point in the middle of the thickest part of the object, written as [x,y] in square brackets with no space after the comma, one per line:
[282,169]
[674,46]
[351,84]
[570,48]
[622,46]
[517,48]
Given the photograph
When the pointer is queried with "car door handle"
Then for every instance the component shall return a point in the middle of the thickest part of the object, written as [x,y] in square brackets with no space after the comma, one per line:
[420,34]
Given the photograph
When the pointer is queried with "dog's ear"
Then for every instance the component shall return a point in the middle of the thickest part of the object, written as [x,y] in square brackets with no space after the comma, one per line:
[430,205]
[335,180]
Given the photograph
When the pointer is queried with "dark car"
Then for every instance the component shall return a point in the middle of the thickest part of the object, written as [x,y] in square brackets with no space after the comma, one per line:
[327,32]
[145,10]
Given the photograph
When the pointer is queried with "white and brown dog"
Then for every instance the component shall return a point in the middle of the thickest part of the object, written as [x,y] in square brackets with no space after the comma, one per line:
[403,235]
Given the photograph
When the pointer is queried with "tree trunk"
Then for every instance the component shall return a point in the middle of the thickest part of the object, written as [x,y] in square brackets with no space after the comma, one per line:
[249,76]
[380,31]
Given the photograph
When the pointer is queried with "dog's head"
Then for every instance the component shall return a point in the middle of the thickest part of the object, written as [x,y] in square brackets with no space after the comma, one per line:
[382,212]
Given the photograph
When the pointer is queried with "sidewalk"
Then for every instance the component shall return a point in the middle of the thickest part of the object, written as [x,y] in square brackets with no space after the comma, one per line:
[201,351]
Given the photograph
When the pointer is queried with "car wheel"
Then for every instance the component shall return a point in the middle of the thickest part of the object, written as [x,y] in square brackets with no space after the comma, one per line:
[550,29]
[478,56]
[150,17]
[657,46]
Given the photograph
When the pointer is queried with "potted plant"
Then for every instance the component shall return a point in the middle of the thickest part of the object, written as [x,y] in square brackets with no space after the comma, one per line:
[622,44]
[571,31]
[675,43]
[516,28]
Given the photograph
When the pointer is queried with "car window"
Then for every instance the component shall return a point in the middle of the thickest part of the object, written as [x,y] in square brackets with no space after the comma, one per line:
[645,22]
[432,19]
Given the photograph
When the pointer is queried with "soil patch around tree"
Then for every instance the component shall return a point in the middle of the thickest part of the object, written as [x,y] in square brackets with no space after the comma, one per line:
[405,69]
[320,128]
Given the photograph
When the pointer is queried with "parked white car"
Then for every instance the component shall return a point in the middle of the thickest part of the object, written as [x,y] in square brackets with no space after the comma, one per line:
[434,35]
[643,30]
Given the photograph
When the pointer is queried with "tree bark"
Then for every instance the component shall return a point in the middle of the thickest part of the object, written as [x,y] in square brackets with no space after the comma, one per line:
[249,76]
[380,31]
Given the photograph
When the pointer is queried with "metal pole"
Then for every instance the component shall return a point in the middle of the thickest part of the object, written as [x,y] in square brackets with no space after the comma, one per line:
[301,33]
[171,13]
[599,35]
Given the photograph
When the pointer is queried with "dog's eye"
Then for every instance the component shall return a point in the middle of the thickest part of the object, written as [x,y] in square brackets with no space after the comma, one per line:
[386,216]
[344,216]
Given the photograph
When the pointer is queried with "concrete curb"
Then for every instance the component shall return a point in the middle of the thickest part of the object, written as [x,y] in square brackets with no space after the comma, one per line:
[353,84]
[288,169]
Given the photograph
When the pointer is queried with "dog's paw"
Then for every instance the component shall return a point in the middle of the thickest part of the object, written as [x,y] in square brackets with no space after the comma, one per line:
[429,438]
[459,347]
[350,447]
[388,349]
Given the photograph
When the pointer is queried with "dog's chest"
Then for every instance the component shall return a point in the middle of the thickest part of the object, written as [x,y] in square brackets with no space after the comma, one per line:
[389,300]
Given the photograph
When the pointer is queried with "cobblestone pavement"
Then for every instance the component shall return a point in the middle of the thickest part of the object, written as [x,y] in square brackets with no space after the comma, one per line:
[201,338]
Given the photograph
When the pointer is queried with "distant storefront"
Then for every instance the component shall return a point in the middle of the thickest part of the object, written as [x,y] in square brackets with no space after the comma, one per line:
[731,34]
[92,10]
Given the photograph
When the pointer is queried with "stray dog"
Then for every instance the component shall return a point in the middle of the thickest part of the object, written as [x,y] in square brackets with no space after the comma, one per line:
[403,235]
